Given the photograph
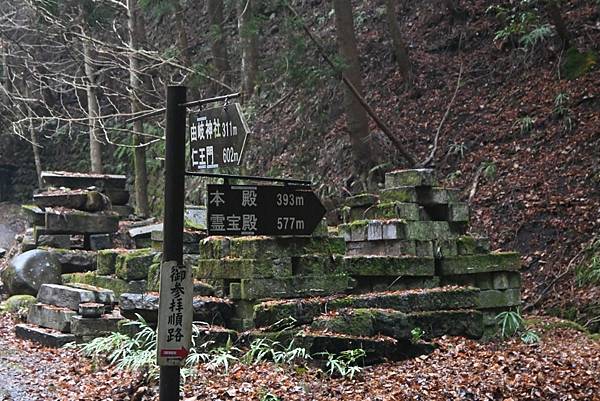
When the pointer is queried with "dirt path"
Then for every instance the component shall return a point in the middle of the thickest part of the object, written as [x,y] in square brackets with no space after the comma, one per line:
[12,222]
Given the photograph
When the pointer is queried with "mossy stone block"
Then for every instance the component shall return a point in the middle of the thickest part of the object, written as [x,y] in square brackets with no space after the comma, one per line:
[292,287]
[106,261]
[214,247]
[17,302]
[424,248]
[399,194]
[235,290]
[134,265]
[469,245]
[432,196]
[117,285]
[393,210]
[426,230]
[233,268]
[470,264]
[309,265]
[361,200]
[445,248]
[154,276]
[282,247]
[374,231]
[500,298]
[458,212]
[382,248]
[388,266]
[412,177]
[353,322]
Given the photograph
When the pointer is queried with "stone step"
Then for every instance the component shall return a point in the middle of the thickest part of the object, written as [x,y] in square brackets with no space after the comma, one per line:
[469,245]
[134,264]
[399,325]
[82,180]
[471,264]
[293,286]
[43,336]
[486,281]
[77,222]
[211,310]
[395,229]
[367,284]
[102,295]
[230,268]
[34,215]
[390,248]
[306,309]
[50,317]
[500,298]
[90,201]
[411,177]
[388,266]
[118,197]
[64,296]
[95,327]
[111,282]
[361,200]
[262,247]
[394,210]
[75,260]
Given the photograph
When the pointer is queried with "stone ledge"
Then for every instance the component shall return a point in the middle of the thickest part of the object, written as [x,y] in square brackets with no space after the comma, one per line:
[45,337]
[470,264]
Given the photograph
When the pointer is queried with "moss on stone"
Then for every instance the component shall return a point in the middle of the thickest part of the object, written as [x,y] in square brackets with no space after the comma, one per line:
[134,265]
[399,194]
[17,303]
[470,264]
[388,266]
[353,322]
[234,268]
[113,283]
[361,200]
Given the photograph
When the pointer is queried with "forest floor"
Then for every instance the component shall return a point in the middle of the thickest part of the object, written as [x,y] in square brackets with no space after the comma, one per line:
[564,365]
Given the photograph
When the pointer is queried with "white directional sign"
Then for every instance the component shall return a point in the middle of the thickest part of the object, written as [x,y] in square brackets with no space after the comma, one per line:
[175,314]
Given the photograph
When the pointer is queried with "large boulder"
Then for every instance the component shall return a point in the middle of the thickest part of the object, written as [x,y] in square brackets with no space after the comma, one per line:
[28,271]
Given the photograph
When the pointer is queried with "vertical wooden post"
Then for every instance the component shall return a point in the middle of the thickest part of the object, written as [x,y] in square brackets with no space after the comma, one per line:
[173,211]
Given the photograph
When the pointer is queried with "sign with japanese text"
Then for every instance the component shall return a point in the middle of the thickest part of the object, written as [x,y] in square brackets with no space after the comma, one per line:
[262,210]
[217,137]
[175,314]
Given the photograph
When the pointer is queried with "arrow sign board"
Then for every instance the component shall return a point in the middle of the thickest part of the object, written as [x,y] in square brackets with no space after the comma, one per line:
[217,137]
[262,210]
[175,314]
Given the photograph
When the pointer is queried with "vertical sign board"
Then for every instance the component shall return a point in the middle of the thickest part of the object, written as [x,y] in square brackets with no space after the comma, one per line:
[217,137]
[262,210]
[175,314]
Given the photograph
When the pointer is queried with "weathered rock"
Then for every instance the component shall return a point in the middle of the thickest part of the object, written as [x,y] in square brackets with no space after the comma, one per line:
[106,260]
[366,230]
[206,309]
[35,215]
[411,177]
[90,201]
[64,296]
[393,210]
[361,200]
[101,295]
[50,317]
[432,196]
[458,212]
[62,241]
[399,194]
[82,180]
[399,325]
[384,248]
[45,337]
[78,222]
[91,310]
[28,271]
[74,260]
[281,247]
[500,261]
[388,266]
[94,327]
[500,298]
[100,241]
[134,265]
[310,265]
[230,268]
[445,248]
[305,310]
[118,197]
[468,245]
[292,287]
[486,281]
[112,283]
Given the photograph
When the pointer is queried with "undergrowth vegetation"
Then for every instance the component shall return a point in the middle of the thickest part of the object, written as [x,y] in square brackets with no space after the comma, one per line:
[588,272]
[512,323]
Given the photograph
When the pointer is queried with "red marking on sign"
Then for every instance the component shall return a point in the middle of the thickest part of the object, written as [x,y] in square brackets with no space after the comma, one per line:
[177,353]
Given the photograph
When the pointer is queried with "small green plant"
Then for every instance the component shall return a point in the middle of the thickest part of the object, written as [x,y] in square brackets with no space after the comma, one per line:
[269,397]
[521,24]
[588,272]
[457,149]
[453,176]
[416,335]
[512,323]
[489,170]
[345,364]
[562,111]
[262,349]
[525,124]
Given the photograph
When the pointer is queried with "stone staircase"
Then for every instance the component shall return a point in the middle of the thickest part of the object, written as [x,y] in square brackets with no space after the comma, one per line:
[65,314]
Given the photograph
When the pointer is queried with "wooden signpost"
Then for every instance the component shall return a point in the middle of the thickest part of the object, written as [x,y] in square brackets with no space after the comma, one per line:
[217,138]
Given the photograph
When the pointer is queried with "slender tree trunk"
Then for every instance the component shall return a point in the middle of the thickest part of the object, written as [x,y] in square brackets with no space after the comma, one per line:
[35,144]
[218,42]
[136,30]
[93,110]
[400,50]
[6,79]
[249,46]
[557,20]
[356,116]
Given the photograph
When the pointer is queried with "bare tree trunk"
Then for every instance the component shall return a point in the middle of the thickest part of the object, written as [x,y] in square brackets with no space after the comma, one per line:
[249,45]
[93,110]
[399,46]
[6,81]
[136,30]
[35,144]
[357,117]
[218,43]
